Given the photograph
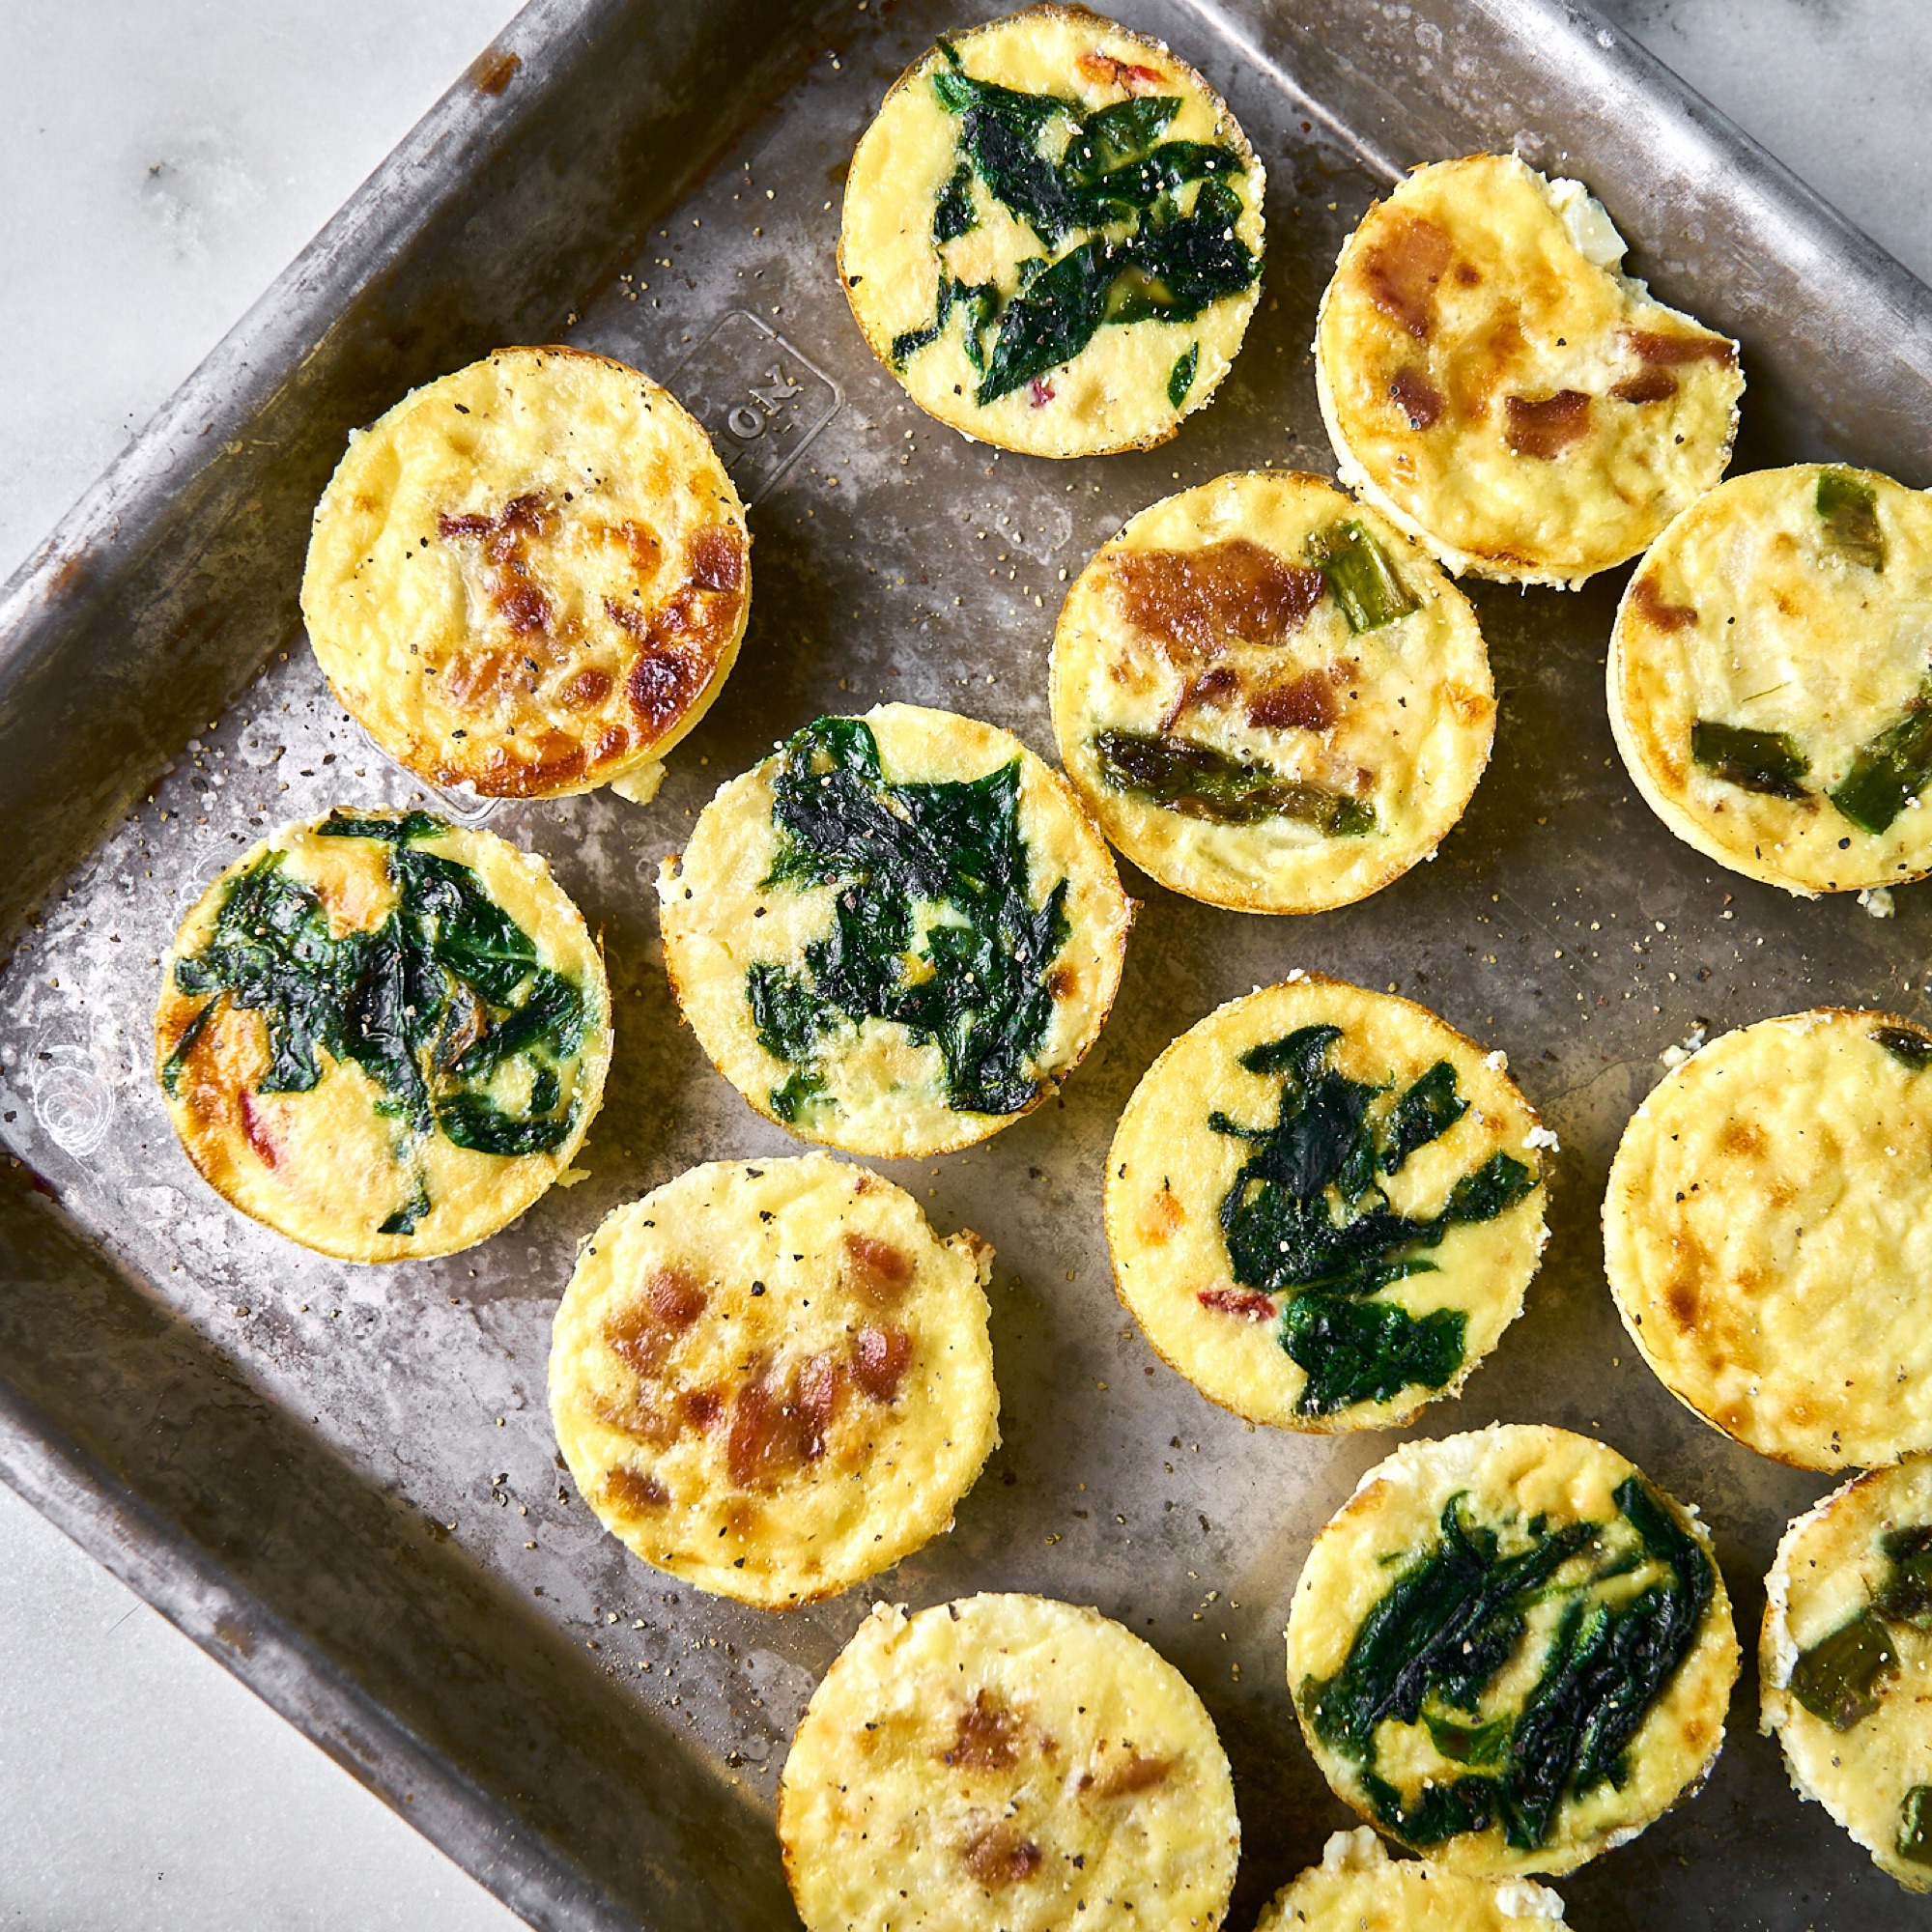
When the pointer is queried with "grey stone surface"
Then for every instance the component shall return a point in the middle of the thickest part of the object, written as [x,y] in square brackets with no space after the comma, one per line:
[162,161]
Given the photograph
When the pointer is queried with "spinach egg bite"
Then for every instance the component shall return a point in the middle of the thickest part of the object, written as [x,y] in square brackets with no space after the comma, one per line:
[1268,698]
[1052,235]
[383,1036]
[1768,1236]
[1771,678]
[1493,382]
[1005,1764]
[1509,1652]
[772,1379]
[1845,1663]
[1358,1887]
[1324,1206]
[530,577]
[897,934]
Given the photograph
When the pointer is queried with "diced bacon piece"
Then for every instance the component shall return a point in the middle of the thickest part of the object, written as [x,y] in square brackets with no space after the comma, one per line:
[1543,428]
[1672,349]
[1196,602]
[880,1358]
[1000,1856]
[631,1491]
[1242,1301]
[875,1270]
[1418,399]
[991,1735]
[1401,269]
[1647,385]
[1647,601]
[1304,704]
[1105,70]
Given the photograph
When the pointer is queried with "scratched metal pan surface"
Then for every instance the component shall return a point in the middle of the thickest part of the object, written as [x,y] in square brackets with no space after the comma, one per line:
[341,1481]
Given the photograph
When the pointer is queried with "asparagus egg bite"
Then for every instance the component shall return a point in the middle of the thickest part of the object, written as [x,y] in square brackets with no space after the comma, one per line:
[1509,1652]
[1771,678]
[1052,235]
[383,1036]
[772,1379]
[1493,382]
[530,578]
[1324,1205]
[1845,1663]
[897,934]
[1358,1887]
[1005,1764]
[1768,1236]
[1268,697]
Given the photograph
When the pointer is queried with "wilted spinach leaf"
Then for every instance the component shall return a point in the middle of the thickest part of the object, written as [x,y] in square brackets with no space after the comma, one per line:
[433,1004]
[973,981]
[1307,1213]
[1456,1617]
[1108,211]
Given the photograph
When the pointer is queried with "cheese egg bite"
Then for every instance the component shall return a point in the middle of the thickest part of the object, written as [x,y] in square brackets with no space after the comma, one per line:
[1768,1236]
[772,1377]
[1771,678]
[1268,698]
[530,577]
[1005,1764]
[1324,1205]
[1496,385]
[1845,1663]
[1052,235]
[1509,1652]
[383,1036]
[897,934]
[1358,1887]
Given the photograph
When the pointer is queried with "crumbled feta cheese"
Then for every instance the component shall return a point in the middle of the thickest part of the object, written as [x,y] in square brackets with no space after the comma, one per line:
[1877,901]
[1496,1061]
[1542,1137]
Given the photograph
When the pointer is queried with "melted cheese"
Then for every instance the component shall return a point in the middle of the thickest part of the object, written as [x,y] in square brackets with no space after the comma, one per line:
[1506,1474]
[772,1379]
[327,1167]
[1399,718]
[884,1092]
[1828,1565]
[1768,1236]
[530,577]
[1358,1887]
[1744,613]
[1493,384]
[1114,393]
[1169,1171]
[1005,1764]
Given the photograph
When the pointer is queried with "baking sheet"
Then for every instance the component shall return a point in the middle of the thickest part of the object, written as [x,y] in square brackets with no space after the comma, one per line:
[342,1479]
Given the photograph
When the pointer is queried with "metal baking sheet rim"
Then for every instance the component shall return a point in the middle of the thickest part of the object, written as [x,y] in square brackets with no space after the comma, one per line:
[104,537]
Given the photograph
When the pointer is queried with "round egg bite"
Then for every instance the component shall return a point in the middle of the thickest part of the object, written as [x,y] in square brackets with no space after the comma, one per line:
[1358,1887]
[1052,235]
[1771,678]
[530,577]
[383,1036]
[897,934]
[1509,1652]
[1768,1236]
[1268,697]
[1005,1764]
[1493,382]
[1845,1663]
[772,1379]
[1324,1205]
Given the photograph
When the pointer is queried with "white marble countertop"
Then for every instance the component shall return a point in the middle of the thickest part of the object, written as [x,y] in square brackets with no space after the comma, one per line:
[164,159]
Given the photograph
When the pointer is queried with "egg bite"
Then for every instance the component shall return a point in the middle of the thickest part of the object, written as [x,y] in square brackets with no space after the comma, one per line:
[1768,1236]
[1358,1887]
[1268,698]
[1845,1663]
[530,577]
[383,1036]
[897,934]
[1052,235]
[772,1377]
[1005,1764]
[1771,678]
[1496,385]
[1324,1205]
[1509,1652]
